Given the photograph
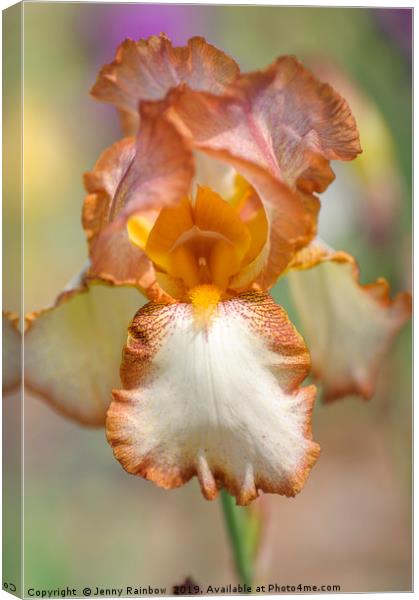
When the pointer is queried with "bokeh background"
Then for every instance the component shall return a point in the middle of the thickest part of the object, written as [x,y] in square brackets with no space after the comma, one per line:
[86,521]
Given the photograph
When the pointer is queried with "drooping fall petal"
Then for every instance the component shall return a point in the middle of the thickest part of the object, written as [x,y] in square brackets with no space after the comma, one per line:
[347,326]
[217,398]
[133,177]
[147,69]
[11,352]
[73,349]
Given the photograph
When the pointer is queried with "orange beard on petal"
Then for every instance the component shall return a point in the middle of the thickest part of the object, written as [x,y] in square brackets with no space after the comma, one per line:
[198,246]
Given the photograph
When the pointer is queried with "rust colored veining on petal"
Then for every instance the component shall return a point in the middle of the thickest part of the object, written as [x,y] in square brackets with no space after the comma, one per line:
[271,322]
[135,430]
[145,336]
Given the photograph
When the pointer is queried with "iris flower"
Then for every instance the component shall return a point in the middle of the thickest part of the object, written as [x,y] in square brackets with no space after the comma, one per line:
[190,220]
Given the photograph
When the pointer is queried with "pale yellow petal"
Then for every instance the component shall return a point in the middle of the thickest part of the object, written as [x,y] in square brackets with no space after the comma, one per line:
[73,349]
[347,326]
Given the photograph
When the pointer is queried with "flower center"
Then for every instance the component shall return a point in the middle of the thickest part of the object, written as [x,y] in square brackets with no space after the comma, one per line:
[198,247]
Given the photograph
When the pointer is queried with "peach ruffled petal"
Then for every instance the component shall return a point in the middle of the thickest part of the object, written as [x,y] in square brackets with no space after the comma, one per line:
[291,224]
[347,326]
[279,128]
[219,400]
[73,348]
[133,177]
[282,119]
[147,69]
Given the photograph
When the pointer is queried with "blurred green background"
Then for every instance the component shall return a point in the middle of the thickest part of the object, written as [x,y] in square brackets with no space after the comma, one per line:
[86,521]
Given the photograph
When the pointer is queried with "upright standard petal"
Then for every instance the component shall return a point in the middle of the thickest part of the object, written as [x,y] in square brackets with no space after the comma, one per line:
[134,177]
[279,128]
[73,349]
[347,326]
[217,397]
[11,352]
[147,69]
[282,119]
[113,257]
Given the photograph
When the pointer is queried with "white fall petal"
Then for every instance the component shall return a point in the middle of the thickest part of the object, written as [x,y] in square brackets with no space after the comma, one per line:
[218,400]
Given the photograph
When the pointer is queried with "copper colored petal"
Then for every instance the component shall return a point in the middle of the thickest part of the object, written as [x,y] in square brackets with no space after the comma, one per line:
[279,128]
[147,69]
[133,177]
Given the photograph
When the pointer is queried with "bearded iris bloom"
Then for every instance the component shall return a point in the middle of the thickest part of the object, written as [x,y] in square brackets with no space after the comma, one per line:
[207,201]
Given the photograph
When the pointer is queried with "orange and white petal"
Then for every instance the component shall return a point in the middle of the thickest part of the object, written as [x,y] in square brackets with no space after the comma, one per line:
[73,349]
[147,69]
[11,352]
[218,398]
[347,326]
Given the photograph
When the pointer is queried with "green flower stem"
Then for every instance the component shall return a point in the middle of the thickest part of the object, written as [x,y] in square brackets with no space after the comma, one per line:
[236,520]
